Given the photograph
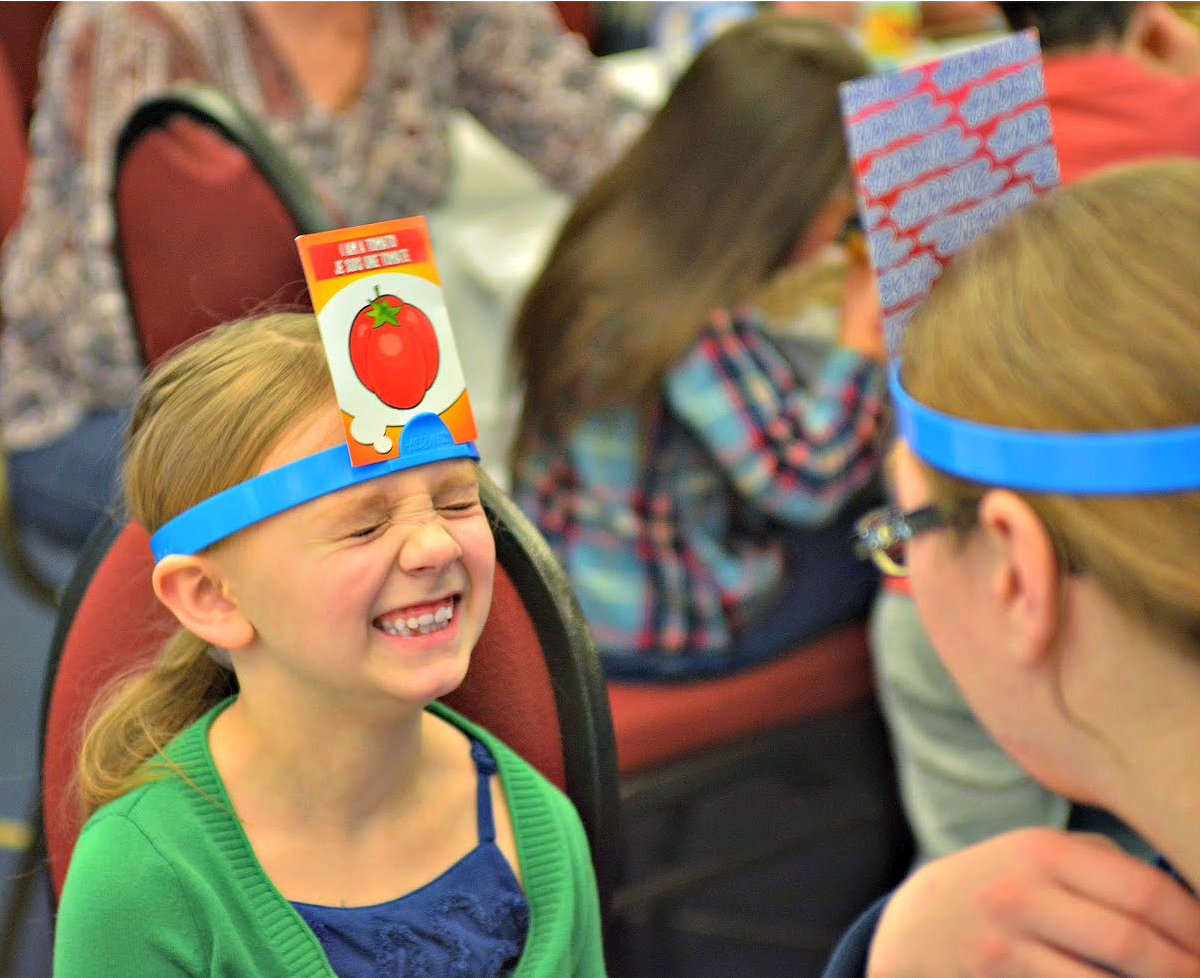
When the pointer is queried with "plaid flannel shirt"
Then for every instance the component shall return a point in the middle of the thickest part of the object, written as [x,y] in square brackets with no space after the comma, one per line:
[669,530]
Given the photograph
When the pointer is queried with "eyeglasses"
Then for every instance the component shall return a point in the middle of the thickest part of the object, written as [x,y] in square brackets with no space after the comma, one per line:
[881,534]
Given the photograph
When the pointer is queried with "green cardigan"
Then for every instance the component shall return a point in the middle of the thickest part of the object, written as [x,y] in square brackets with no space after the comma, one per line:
[163,882]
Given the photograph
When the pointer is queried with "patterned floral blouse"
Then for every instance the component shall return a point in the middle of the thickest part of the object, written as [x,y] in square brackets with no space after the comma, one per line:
[67,345]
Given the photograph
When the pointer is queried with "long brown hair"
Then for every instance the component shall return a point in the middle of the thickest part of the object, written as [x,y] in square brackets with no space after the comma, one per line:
[1082,313]
[698,214]
[203,421]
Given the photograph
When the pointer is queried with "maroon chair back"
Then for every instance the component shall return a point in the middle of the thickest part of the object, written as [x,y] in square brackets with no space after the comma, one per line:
[537,699]
[206,211]
[14,149]
[116,627]
[23,27]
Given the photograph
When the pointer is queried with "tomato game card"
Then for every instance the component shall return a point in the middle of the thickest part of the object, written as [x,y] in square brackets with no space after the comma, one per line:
[378,300]
[941,151]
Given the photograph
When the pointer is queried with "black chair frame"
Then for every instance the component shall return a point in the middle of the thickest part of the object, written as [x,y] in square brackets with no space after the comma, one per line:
[216,109]
[589,745]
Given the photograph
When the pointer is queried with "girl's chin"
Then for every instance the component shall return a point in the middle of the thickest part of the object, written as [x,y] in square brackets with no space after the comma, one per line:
[429,680]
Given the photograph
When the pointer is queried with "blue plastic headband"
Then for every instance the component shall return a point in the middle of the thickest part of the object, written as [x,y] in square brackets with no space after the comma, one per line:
[424,439]
[1084,463]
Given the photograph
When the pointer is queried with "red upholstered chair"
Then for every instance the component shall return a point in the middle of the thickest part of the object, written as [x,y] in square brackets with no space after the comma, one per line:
[534,678]
[22,29]
[579,16]
[808,719]
[207,209]
[206,212]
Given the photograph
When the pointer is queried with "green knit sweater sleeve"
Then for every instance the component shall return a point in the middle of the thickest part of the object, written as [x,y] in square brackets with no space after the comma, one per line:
[123,913]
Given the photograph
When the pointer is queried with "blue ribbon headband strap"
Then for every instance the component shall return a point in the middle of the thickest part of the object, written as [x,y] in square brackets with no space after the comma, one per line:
[424,439]
[1084,463]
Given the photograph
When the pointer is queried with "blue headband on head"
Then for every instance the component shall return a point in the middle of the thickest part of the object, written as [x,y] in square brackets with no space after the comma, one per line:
[1084,463]
[424,439]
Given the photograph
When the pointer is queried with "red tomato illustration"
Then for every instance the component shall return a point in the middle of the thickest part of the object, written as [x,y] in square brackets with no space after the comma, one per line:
[394,350]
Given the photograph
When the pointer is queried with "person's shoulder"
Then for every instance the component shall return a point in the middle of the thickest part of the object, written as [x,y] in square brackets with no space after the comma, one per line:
[1101,71]
[126,888]
[170,789]
[139,826]
[129,822]
[153,806]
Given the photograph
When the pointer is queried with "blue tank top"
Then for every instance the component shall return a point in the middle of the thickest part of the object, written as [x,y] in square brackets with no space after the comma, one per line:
[469,922]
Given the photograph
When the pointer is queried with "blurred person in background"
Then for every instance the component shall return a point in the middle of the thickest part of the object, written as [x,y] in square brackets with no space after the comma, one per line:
[696,483]
[1122,83]
[359,95]
[1046,487]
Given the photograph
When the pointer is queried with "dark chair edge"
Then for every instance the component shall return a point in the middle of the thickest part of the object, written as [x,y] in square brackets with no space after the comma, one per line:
[579,689]
[210,105]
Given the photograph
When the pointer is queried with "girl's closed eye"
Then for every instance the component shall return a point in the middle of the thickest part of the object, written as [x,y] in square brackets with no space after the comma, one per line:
[462,505]
[367,530]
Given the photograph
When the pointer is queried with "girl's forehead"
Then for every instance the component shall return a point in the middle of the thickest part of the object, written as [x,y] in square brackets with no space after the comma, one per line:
[320,430]
[890,461]
[900,469]
[431,478]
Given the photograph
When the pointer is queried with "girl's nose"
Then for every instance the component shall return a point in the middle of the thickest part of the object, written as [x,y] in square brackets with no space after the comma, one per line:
[429,547]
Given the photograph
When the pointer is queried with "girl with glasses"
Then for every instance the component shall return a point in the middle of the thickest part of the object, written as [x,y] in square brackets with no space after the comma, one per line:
[695,473]
[1047,491]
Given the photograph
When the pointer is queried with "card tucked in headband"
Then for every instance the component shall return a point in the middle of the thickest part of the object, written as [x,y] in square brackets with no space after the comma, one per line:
[941,151]
[395,373]
[378,299]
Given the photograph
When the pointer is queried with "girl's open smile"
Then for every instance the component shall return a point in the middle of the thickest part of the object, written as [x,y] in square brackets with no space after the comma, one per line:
[419,619]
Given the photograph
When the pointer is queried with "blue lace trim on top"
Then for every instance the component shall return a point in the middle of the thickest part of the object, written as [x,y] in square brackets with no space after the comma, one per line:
[469,922]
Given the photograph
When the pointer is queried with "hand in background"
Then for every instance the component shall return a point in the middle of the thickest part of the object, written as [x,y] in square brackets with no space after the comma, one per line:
[1161,36]
[862,315]
[1039,902]
[838,11]
[939,18]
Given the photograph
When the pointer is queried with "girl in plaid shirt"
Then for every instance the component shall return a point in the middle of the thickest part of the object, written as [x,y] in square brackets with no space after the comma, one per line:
[693,479]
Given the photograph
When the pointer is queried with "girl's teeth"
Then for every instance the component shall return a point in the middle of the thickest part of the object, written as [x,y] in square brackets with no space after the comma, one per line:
[420,624]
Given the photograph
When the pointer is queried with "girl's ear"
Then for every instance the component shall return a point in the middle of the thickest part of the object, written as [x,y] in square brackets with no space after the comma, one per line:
[192,588]
[1024,574]
[825,225]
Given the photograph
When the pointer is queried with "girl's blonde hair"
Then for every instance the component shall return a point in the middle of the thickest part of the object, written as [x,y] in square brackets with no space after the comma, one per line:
[1082,313]
[204,421]
[698,214]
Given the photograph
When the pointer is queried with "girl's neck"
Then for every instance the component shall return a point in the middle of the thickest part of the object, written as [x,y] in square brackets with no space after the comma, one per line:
[338,769]
[344,813]
[1159,795]
[324,46]
[1142,696]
